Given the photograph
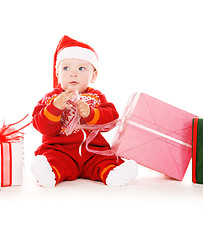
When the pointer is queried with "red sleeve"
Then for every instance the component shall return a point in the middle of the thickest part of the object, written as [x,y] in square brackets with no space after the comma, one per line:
[104,113]
[46,117]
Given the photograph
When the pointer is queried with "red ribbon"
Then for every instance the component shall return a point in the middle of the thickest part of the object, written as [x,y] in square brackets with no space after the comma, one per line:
[6,165]
[9,134]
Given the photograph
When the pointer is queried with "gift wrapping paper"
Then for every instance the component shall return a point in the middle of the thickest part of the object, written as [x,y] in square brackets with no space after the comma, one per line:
[156,135]
[197,150]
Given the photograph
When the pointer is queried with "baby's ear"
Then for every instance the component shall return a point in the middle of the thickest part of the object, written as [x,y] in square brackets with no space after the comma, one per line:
[94,76]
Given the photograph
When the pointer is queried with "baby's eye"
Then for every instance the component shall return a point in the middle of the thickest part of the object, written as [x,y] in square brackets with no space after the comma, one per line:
[81,68]
[66,68]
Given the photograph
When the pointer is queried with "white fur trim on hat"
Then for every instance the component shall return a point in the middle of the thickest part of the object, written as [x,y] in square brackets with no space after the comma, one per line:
[78,53]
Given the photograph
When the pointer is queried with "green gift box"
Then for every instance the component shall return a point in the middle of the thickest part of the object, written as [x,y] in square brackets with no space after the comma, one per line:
[197,150]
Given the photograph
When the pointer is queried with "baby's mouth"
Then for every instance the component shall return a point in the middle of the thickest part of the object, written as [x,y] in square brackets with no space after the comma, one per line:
[73,83]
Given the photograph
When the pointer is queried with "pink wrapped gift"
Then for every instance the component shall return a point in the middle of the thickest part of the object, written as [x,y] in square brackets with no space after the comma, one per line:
[156,135]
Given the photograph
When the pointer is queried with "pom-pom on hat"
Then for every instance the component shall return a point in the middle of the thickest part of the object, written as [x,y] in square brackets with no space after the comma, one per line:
[70,48]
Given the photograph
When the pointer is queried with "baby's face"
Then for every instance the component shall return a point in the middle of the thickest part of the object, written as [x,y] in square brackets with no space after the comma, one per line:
[75,73]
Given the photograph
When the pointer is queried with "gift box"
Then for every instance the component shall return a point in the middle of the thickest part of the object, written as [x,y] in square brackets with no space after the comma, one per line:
[11,154]
[156,135]
[11,163]
[197,150]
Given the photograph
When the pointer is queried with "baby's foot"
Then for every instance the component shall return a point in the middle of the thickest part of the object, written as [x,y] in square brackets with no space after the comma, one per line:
[122,174]
[43,172]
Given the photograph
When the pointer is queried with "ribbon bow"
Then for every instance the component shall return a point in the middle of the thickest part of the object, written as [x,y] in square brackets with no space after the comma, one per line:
[9,134]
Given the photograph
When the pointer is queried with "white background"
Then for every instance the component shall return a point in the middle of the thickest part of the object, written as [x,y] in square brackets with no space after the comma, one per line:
[149,46]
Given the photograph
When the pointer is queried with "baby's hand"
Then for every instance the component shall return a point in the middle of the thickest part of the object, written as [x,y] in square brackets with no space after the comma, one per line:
[83,109]
[61,101]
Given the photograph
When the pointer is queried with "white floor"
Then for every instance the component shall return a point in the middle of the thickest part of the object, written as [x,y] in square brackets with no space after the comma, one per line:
[151,207]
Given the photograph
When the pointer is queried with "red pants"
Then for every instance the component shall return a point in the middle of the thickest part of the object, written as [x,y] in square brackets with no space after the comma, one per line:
[68,164]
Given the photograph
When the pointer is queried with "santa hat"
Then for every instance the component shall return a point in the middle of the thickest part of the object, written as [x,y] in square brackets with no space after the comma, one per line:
[70,48]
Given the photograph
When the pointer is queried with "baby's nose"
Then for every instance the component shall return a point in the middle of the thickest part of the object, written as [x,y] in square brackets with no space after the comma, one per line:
[73,74]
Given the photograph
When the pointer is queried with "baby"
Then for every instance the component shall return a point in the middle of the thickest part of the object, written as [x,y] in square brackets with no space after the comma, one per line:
[63,154]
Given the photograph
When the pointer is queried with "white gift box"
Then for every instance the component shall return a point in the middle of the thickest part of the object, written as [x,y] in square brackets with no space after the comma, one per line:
[12,157]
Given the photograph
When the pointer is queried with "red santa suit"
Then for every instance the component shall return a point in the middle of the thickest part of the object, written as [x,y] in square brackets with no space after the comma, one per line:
[67,155]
